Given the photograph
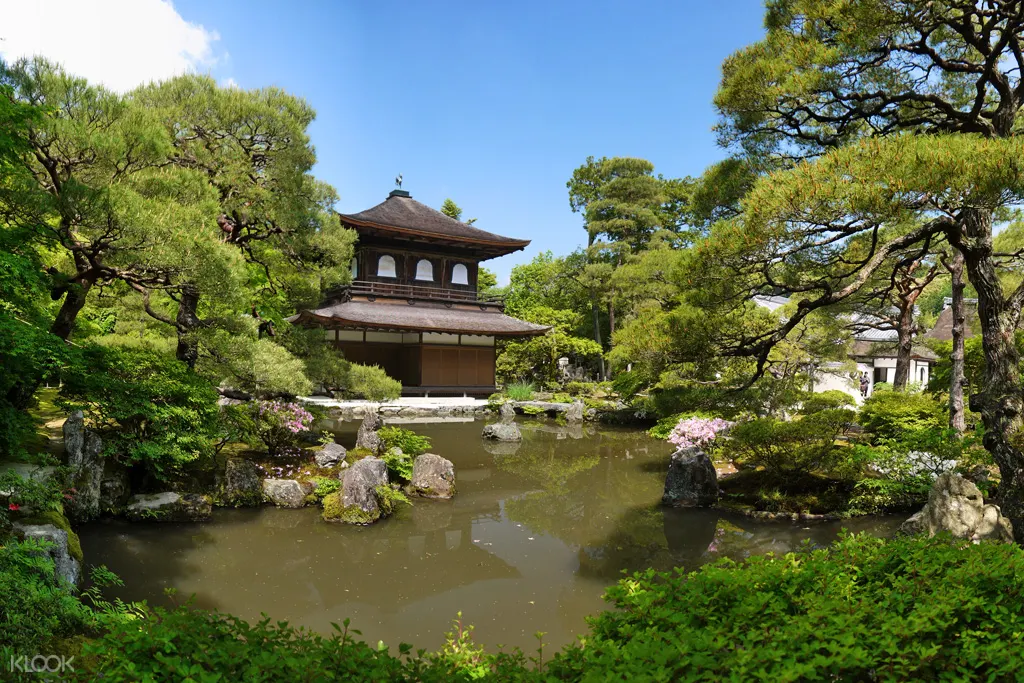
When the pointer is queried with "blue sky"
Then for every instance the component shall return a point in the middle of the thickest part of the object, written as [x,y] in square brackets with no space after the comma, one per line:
[490,103]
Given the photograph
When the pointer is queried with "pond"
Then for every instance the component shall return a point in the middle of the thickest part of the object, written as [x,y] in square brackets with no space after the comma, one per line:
[535,534]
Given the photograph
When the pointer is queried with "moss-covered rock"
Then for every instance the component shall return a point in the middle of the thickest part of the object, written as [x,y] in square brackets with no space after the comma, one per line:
[241,484]
[336,511]
[169,507]
[358,454]
[58,520]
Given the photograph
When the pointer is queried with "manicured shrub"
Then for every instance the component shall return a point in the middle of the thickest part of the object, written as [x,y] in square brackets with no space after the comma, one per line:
[152,410]
[806,444]
[697,432]
[663,427]
[865,610]
[372,383]
[895,414]
[277,425]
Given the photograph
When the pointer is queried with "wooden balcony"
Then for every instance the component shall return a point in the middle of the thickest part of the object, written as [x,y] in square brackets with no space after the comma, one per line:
[396,290]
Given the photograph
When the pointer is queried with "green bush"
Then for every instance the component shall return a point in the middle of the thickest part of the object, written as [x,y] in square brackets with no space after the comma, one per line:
[806,444]
[409,441]
[325,486]
[372,383]
[832,399]
[894,414]
[520,391]
[399,465]
[878,496]
[390,498]
[411,445]
[865,610]
[152,410]
[581,388]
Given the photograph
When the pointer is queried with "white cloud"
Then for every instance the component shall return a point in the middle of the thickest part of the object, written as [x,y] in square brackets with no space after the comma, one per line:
[229,83]
[119,43]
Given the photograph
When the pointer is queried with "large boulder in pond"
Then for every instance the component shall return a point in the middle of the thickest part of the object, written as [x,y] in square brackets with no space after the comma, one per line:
[241,485]
[955,505]
[286,493]
[67,566]
[330,455]
[169,506]
[574,413]
[433,476]
[84,450]
[691,481]
[502,431]
[367,437]
[358,501]
[507,412]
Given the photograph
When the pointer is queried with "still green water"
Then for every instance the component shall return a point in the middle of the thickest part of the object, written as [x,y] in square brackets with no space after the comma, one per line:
[535,534]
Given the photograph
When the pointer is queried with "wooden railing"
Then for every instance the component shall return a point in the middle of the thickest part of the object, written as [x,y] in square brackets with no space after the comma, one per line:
[405,291]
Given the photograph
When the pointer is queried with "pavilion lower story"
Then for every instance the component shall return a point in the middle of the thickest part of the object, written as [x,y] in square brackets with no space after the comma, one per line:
[426,363]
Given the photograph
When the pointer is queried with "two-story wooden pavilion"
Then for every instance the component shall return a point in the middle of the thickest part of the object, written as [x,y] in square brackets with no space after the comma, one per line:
[412,307]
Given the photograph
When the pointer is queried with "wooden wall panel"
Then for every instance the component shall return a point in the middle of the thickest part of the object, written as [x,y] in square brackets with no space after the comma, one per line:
[467,368]
[429,366]
[431,372]
[450,367]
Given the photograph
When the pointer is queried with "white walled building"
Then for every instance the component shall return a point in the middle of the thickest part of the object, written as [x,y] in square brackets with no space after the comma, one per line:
[874,354]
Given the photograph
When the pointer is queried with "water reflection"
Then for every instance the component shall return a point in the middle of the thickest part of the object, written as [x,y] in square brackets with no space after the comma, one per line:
[535,534]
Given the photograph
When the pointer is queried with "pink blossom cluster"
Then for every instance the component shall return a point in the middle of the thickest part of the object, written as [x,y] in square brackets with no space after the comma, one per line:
[290,416]
[692,432]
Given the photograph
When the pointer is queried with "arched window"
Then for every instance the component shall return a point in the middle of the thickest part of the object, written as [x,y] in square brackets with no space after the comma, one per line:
[460,275]
[386,266]
[425,270]
[355,267]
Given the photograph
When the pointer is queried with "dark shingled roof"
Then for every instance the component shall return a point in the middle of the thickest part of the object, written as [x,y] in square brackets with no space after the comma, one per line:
[400,212]
[423,317]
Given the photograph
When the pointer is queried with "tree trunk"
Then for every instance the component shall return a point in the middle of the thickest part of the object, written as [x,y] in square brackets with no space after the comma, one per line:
[957,417]
[596,311]
[74,300]
[904,345]
[188,323]
[1000,400]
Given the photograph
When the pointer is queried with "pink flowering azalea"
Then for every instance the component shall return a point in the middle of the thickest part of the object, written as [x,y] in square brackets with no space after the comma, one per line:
[13,507]
[697,432]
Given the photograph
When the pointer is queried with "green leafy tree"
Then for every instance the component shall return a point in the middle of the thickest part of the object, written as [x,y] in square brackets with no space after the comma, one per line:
[153,410]
[92,189]
[452,210]
[536,358]
[253,149]
[943,81]
[621,201]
